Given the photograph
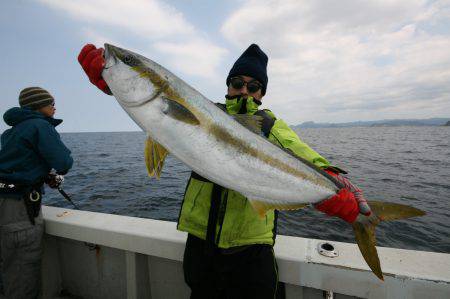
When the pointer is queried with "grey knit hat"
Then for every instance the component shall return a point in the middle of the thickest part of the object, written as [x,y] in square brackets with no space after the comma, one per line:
[35,98]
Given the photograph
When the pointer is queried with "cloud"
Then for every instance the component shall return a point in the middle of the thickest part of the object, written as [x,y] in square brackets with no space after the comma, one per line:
[149,27]
[149,19]
[196,57]
[347,60]
[96,38]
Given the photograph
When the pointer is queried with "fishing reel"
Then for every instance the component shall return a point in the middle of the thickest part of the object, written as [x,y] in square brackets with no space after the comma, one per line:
[59,179]
[54,180]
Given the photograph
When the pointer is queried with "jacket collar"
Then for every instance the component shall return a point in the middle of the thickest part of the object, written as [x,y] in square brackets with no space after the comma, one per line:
[236,105]
[17,115]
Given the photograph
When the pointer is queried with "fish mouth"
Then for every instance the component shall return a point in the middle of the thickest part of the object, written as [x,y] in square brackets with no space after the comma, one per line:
[110,58]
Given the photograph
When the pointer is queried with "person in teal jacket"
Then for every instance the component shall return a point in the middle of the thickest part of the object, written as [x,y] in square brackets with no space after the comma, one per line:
[229,249]
[30,149]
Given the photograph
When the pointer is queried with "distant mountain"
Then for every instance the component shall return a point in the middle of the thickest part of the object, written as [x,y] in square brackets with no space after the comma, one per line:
[379,123]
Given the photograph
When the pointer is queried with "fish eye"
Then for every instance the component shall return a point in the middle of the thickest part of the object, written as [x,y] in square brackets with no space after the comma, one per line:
[128,59]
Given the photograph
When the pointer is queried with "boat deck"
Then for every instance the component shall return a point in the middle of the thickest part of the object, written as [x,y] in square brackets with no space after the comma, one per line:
[95,255]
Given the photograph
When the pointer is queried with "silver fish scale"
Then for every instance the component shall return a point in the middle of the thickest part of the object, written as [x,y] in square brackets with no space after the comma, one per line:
[243,161]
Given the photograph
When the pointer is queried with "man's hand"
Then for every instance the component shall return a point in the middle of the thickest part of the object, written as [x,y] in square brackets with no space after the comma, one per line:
[347,203]
[54,180]
[92,62]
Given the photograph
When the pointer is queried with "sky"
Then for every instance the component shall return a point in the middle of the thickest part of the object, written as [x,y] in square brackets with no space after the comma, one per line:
[329,61]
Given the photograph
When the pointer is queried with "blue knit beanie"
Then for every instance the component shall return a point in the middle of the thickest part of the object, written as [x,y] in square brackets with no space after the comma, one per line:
[252,63]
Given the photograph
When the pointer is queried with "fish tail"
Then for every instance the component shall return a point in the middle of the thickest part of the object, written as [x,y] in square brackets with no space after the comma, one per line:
[364,229]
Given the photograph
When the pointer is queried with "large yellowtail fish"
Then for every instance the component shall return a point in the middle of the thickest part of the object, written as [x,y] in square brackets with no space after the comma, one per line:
[224,149]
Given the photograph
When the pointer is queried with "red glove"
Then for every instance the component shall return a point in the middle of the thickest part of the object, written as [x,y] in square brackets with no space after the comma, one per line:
[92,62]
[347,203]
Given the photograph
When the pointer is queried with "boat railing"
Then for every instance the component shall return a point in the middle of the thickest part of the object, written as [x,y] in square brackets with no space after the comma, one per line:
[96,255]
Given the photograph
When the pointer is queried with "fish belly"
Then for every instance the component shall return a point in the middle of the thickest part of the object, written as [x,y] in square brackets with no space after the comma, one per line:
[225,165]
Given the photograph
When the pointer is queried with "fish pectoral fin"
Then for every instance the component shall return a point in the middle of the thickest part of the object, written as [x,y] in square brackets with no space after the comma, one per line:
[393,211]
[251,122]
[261,207]
[155,154]
[179,112]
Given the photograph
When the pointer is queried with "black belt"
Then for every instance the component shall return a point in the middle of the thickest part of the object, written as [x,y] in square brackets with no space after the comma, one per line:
[7,188]
[31,195]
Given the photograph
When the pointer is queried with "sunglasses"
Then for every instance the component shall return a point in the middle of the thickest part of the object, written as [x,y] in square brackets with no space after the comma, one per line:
[252,86]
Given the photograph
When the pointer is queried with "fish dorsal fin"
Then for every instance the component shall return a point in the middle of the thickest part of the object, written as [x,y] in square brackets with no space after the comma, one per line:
[262,207]
[251,122]
[155,154]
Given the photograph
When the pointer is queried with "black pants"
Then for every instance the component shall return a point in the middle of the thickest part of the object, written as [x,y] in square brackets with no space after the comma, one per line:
[249,273]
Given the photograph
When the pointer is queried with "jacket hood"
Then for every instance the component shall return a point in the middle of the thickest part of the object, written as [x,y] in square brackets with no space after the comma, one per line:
[17,115]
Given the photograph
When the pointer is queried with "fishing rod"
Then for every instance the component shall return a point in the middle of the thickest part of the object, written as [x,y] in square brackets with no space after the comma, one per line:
[66,196]
[59,179]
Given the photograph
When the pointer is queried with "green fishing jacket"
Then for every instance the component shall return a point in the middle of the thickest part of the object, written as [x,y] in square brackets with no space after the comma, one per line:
[237,223]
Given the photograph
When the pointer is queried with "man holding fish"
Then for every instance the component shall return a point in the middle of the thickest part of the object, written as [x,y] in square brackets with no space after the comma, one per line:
[232,226]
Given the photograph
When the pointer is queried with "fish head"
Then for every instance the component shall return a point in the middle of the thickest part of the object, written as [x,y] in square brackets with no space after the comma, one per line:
[127,75]
[137,81]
